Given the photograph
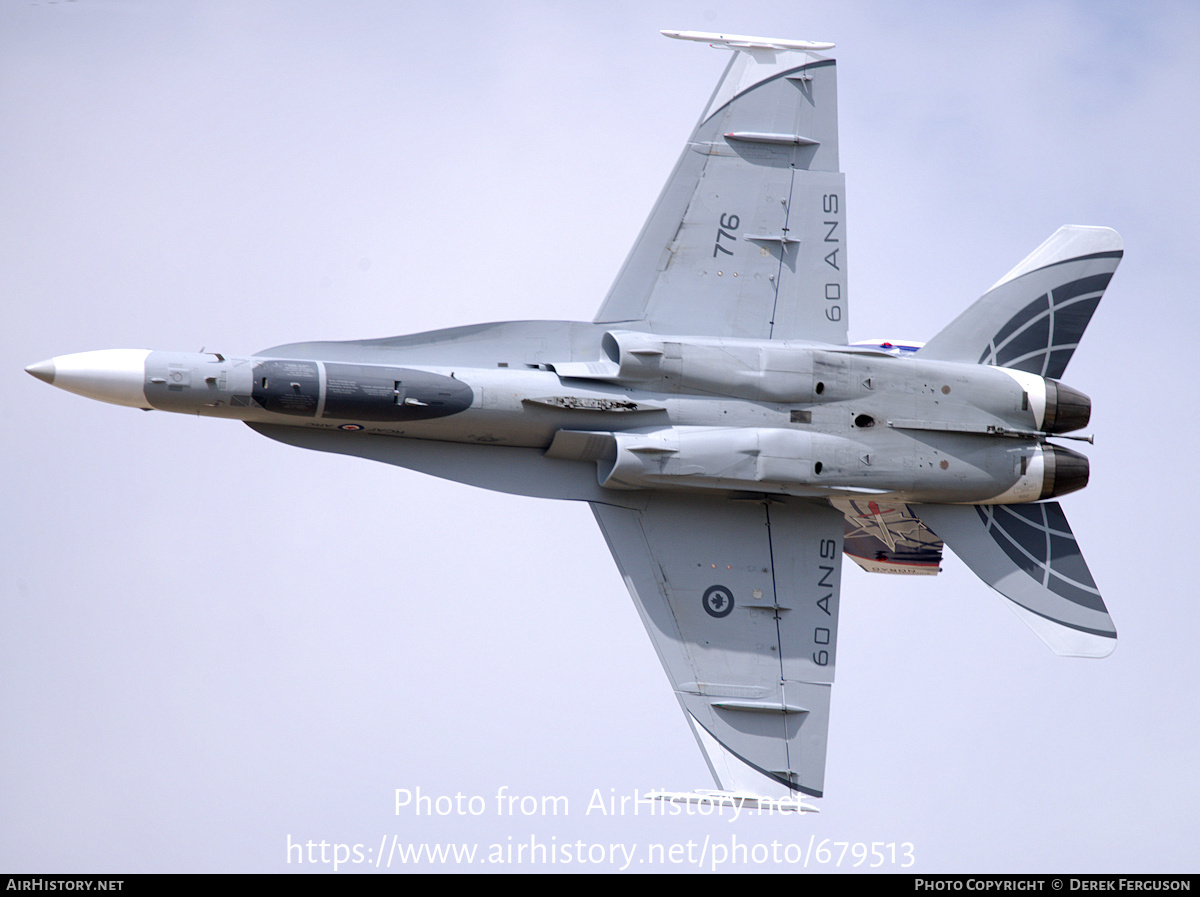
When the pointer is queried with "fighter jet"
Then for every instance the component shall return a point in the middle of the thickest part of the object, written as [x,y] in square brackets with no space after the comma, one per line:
[730,441]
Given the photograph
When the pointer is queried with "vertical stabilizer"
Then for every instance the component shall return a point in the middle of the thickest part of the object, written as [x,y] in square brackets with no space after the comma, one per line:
[1034,317]
[1029,555]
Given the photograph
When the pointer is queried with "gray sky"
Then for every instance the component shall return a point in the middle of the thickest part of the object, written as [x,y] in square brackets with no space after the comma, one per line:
[210,642]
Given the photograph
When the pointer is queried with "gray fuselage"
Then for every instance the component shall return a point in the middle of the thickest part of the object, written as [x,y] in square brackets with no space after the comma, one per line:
[661,412]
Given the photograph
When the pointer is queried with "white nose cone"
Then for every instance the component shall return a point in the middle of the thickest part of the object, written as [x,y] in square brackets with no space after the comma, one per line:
[109,375]
[43,370]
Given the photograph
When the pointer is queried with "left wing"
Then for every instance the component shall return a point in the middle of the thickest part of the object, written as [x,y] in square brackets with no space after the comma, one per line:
[748,237]
[740,598]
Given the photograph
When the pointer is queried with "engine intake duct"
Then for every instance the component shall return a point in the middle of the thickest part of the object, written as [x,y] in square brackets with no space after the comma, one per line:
[1066,471]
[1067,409]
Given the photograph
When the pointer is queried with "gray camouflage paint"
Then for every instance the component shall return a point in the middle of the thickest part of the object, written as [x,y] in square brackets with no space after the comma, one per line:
[712,413]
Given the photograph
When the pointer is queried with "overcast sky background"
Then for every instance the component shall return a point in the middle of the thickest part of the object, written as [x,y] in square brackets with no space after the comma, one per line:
[210,642]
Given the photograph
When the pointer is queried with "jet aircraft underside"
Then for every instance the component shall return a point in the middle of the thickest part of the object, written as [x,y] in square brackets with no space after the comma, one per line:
[732,444]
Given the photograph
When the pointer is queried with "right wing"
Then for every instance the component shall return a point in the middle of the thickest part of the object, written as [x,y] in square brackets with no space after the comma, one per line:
[740,598]
[748,237]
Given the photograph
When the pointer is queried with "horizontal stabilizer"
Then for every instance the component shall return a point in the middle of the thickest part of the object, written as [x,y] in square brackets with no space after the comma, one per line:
[1029,554]
[1033,319]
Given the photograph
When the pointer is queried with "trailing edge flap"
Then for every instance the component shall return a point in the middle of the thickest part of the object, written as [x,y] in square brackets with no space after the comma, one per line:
[1029,554]
[740,600]
[1033,319]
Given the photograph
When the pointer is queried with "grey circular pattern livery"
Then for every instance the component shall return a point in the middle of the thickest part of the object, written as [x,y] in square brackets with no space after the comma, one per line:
[718,601]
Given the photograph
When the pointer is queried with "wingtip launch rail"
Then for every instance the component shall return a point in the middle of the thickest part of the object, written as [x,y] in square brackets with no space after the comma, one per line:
[745,42]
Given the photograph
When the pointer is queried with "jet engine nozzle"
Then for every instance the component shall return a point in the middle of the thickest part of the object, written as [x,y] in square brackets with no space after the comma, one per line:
[1067,409]
[1066,471]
